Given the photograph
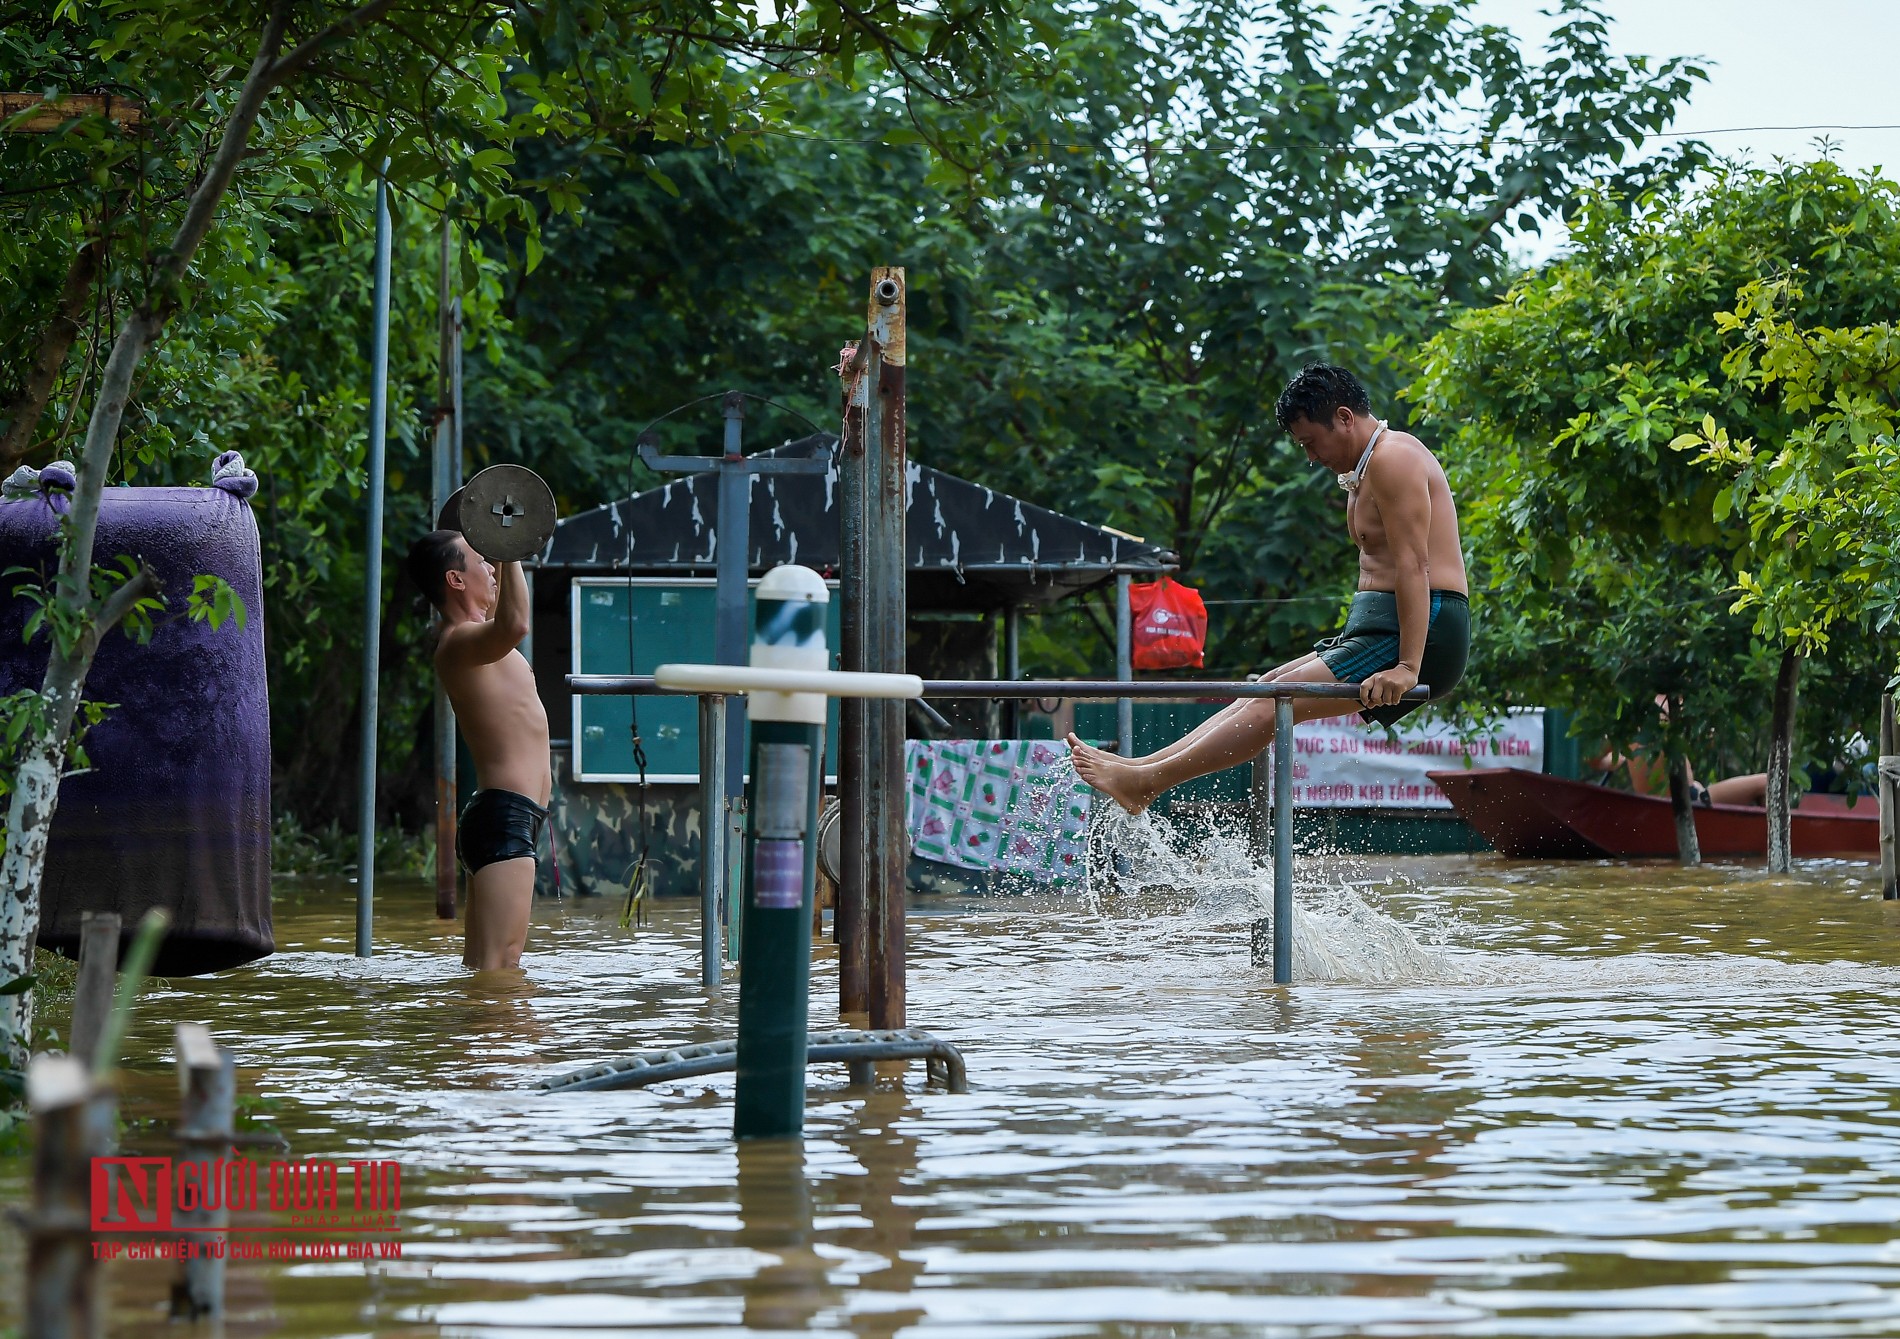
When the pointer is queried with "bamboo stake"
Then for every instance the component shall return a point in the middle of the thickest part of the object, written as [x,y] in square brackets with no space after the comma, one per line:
[98,970]
[207,1086]
[72,1115]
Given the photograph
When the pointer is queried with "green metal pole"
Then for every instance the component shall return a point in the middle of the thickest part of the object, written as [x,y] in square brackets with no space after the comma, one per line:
[787,758]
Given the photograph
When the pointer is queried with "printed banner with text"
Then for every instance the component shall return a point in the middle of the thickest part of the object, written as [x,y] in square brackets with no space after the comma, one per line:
[1340,763]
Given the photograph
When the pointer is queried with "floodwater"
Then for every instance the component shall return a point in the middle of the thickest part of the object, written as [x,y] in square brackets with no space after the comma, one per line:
[1559,1099]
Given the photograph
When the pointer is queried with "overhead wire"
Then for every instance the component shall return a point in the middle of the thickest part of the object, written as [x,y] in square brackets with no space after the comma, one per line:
[1389,146]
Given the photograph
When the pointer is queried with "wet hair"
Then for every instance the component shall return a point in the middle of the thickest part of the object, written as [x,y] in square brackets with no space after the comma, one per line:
[1316,392]
[430,559]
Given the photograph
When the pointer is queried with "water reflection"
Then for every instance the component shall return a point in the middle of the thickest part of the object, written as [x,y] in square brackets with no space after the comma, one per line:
[1646,1101]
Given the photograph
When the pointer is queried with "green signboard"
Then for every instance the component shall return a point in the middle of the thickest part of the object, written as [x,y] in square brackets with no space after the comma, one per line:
[630,626]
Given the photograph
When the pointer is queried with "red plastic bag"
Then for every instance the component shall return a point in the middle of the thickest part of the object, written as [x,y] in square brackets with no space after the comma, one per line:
[1170,625]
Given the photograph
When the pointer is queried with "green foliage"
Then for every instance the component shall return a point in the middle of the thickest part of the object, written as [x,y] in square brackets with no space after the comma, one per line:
[1124,229]
[23,717]
[331,852]
[1822,509]
[213,601]
[1102,312]
[1596,546]
[51,982]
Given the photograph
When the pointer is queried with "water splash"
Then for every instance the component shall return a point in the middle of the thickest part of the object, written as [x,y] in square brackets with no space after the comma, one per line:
[1144,866]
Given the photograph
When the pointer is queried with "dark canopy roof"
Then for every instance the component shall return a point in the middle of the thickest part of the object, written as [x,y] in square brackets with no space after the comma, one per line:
[969,547]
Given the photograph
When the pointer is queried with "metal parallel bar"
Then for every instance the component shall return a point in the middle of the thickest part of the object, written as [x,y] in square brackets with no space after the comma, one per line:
[1124,665]
[736,818]
[1260,805]
[1013,667]
[373,578]
[614,685]
[712,830]
[1283,841]
[730,634]
[851,920]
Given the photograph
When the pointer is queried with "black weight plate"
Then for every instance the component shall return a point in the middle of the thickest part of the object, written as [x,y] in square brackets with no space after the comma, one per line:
[507,513]
[451,517]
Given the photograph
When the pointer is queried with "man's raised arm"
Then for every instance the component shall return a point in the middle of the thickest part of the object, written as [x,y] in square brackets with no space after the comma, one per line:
[485,643]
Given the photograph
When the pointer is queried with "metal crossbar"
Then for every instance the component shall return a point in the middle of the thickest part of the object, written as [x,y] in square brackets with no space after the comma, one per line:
[617,685]
[1283,693]
[944,1062]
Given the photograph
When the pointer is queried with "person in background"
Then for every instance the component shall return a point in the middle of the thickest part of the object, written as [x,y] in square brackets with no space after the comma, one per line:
[485,617]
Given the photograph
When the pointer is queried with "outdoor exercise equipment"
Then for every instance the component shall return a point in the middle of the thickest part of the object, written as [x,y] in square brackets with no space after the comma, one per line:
[788,755]
[944,1063]
[789,682]
[1279,795]
[734,470]
[505,512]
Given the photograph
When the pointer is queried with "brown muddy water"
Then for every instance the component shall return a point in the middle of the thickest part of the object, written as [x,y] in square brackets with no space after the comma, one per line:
[1573,1100]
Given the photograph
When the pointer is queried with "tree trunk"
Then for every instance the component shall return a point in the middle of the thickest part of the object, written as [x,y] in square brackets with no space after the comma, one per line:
[35,792]
[1781,764]
[1688,845]
[23,415]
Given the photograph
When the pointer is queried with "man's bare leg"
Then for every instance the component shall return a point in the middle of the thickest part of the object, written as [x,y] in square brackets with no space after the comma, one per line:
[1241,732]
[1222,719]
[500,898]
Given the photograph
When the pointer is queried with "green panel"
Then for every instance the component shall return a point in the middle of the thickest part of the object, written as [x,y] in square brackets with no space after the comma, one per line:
[669,623]
[1563,751]
[1158,724]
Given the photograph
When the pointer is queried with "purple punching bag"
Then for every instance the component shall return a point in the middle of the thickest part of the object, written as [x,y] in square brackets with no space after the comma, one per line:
[175,810]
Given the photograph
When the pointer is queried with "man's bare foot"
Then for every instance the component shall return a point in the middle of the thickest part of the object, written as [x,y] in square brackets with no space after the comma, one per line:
[1078,749]
[1124,782]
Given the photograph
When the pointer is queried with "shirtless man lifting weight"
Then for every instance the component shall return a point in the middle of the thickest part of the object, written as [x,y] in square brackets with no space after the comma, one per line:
[1410,623]
[485,618]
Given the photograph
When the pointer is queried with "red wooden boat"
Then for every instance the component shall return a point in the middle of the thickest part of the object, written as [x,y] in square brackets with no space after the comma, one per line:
[1536,817]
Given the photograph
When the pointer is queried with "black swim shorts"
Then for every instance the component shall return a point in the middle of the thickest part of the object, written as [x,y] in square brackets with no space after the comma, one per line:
[1370,643]
[498,825]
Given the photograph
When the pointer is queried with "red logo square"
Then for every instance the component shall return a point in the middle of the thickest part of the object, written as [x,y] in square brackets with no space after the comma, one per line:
[131,1194]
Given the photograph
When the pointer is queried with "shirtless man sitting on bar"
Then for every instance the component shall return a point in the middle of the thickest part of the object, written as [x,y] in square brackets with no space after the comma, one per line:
[489,682]
[1410,622]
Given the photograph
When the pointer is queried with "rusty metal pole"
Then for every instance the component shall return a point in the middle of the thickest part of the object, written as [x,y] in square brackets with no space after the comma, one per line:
[444,480]
[72,1123]
[207,1086]
[98,976]
[888,818]
[855,616]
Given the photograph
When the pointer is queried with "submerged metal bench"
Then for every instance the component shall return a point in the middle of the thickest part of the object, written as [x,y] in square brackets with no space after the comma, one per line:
[942,1061]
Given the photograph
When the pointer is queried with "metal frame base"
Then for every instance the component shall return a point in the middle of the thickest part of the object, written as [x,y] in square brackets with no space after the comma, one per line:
[943,1062]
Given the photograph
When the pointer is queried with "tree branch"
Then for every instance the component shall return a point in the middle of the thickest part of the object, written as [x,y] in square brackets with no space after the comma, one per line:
[23,415]
[211,188]
[121,601]
[306,51]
